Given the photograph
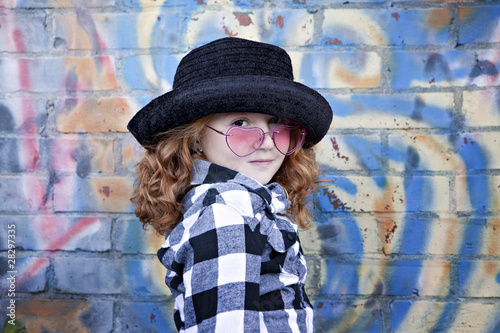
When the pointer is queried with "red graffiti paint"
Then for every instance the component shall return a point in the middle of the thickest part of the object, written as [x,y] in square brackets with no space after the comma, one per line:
[244,19]
[333,41]
[336,148]
[279,21]
[396,16]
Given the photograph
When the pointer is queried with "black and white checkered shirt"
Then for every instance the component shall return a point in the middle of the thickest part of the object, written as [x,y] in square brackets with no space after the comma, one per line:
[234,264]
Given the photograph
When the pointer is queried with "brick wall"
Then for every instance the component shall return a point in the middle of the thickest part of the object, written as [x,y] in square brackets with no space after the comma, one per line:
[407,234]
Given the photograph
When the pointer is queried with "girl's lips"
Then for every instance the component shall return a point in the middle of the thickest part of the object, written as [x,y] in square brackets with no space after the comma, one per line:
[261,163]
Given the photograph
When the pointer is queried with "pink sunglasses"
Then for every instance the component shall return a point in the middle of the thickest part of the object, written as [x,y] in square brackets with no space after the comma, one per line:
[244,141]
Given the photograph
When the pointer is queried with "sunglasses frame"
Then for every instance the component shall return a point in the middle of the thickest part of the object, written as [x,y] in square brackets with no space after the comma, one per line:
[262,140]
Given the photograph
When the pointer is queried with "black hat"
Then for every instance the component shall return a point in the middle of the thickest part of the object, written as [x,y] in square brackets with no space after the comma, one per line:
[233,75]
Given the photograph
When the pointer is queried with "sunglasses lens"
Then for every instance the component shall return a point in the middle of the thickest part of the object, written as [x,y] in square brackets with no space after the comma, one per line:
[244,141]
[287,138]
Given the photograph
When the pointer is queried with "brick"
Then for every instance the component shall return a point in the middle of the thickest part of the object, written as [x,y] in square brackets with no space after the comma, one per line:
[479,151]
[19,155]
[445,235]
[350,152]
[358,234]
[477,192]
[29,272]
[22,194]
[191,3]
[131,153]
[479,278]
[147,317]
[478,24]
[22,115]
[97,31]
[29,4]
[353,315]
[58,74]
[55,315]
[385,194]
[337,69]
[83,155]
[385,27]
[487,114]
[103,194]
[48,232]
[285,27]
[395,111]
[444,69]
[426,316]
[23,33]
[412,151]
[132,238]
[146,72]
[394,278]
[79,115]
[106,276]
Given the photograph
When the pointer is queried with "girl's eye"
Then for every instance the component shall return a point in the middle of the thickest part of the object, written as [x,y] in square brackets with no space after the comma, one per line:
[276,120]
[240,122]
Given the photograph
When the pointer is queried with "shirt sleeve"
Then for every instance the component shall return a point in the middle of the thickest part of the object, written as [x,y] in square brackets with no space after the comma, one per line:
[222,285]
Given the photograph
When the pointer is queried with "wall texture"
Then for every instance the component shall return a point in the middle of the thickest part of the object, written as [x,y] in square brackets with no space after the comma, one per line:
[406,235]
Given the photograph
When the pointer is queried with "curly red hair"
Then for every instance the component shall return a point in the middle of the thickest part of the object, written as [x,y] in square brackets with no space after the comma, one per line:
[164,178]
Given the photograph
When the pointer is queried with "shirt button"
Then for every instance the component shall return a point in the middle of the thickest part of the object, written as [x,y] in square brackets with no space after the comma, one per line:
[289,236]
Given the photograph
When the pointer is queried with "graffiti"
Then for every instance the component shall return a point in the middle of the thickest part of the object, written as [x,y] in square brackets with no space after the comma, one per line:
[406,230]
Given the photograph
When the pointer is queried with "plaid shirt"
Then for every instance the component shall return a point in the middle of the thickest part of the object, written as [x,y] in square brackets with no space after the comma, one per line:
[233,263]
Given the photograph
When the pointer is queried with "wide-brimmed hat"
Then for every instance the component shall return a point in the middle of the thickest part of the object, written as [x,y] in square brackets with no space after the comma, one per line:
[233,75]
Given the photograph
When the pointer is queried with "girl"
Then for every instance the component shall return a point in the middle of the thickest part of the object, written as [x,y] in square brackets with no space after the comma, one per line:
[228,164]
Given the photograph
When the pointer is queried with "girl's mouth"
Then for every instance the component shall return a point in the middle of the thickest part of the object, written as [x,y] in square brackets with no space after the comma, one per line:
[261,163]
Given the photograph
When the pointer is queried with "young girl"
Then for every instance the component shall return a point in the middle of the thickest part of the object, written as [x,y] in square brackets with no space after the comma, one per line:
[228,164]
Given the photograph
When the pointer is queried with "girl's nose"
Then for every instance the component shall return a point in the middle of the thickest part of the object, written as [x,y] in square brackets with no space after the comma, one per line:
[267,142]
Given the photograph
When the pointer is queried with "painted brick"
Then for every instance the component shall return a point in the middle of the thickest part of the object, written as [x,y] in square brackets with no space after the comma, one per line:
[401,278]
[385,27]
[77,115]
[30,275]
[22,115]
[337,69]
[22,194]
[131,152]
[477,193]
[444,68]
[412,151]
[150,72]
[354,315]
[486,115]
[286,27]
[23,33]
[349,152]
[106,194]
[479,24]
[105,276]
[479,278]
[336,235]
[82,156]
[58,74]
[192,3]
[394,111]
[440,236]
[30,4]
[385,194]
[48,232]
[19,155]
[132,238]
[96,31]
[51,315]
[426,316]
[151,317]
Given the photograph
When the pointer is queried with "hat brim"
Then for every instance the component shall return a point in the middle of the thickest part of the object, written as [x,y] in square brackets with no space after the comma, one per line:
[260,94]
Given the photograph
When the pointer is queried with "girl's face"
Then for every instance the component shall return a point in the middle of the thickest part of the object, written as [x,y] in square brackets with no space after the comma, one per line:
[261,165]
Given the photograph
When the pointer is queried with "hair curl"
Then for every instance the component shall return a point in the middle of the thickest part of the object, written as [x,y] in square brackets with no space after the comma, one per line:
[163,177]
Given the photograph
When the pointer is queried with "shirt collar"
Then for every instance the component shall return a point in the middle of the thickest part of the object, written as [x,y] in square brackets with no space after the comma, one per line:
[209,173]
